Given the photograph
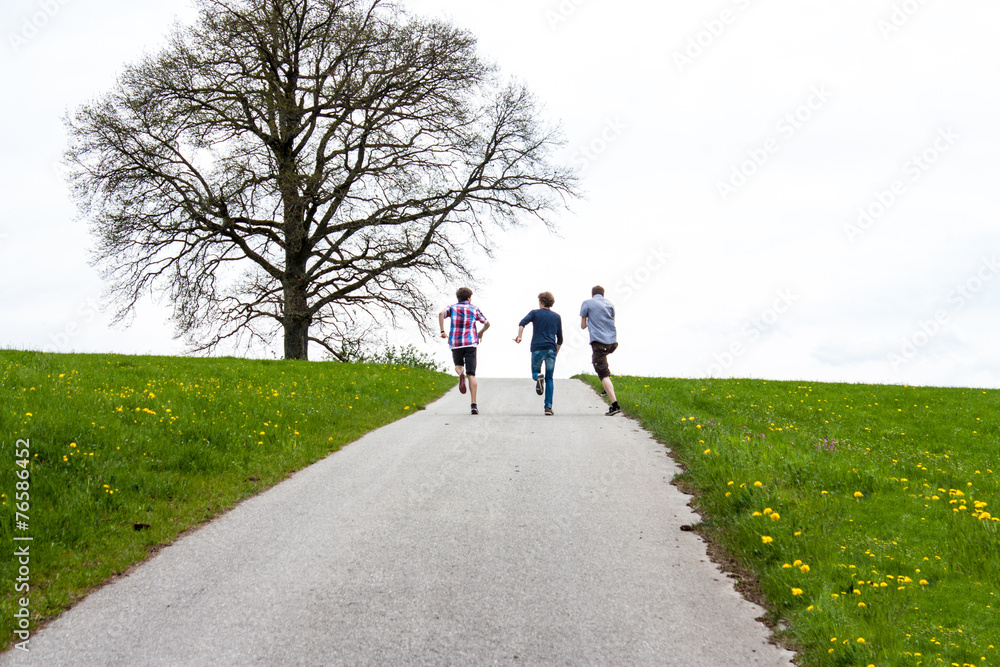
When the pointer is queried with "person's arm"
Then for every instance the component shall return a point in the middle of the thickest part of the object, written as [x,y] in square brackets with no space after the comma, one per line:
[523,323]
[559,336]
[583,322]
[480,317]
[441,323]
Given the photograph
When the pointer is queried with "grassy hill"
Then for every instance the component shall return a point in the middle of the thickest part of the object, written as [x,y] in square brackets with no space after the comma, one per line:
[861,514]
[115,455]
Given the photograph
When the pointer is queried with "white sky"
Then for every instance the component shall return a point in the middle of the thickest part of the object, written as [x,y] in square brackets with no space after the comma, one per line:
[767,280]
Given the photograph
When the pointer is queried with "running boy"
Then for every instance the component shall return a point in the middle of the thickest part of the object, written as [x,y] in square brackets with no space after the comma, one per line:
[598,315]
[546,339]
[464,339]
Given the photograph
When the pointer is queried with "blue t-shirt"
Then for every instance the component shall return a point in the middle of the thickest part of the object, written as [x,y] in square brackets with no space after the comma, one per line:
[546,330]
[600,314]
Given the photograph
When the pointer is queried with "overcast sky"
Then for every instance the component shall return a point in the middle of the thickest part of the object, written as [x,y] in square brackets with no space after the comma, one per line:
[784,189]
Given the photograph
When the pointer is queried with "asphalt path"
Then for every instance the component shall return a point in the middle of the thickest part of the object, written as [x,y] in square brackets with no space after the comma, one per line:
[506,538]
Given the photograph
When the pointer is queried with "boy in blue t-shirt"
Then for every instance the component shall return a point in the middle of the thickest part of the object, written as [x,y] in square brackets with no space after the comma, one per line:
[546,339]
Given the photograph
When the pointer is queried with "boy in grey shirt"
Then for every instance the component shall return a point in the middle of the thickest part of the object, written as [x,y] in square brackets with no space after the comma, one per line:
[598,315]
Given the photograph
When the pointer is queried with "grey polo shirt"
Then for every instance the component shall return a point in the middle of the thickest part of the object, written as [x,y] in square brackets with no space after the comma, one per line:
[600,314]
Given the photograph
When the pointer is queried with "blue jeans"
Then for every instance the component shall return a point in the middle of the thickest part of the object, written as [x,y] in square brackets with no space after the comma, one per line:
[549,357]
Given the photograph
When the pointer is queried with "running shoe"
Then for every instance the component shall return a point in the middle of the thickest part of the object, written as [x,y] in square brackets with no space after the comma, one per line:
[461,383]
[540,384]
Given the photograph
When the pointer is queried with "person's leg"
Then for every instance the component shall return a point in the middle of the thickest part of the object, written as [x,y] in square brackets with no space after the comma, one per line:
[610,388]
[458,356]
[470,372]
[536,371]
[536,364]
[550,369]
[599,358]
[600,361]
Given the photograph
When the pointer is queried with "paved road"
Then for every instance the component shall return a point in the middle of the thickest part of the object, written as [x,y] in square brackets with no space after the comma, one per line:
[508,538]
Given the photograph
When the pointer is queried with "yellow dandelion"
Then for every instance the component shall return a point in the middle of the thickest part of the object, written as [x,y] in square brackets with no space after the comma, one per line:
[775,516]
[796,591]
[766,539]
[804,568]
[858,494]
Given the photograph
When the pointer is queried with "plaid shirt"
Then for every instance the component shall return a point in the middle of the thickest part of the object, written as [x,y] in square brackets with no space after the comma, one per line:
[463,324]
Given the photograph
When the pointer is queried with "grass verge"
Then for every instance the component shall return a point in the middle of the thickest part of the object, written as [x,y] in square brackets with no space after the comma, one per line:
[863,512]
[122,454]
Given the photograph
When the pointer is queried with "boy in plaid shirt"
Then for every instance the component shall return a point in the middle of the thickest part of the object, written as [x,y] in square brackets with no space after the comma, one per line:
[464,339]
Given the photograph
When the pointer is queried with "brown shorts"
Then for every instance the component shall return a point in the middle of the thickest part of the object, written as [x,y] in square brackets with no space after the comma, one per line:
[600,358]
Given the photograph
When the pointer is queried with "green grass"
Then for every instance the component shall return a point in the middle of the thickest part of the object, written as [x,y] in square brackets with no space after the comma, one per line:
[863,511]
[128,452]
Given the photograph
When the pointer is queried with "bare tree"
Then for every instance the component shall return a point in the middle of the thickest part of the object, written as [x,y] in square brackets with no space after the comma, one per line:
[305,167]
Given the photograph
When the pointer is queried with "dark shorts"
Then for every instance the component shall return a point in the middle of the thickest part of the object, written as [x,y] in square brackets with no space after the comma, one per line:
[600,358]
[465,356]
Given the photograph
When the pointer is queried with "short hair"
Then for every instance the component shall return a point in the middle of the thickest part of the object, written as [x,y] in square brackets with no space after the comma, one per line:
[546,299]
[463,294]
[597,290]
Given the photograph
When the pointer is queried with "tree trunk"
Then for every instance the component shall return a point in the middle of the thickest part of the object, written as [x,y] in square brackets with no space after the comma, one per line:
[296,321]
[296,316]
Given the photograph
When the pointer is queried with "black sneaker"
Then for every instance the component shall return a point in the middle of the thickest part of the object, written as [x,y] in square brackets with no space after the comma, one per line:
[461,383]
[613,410]
[475,410]
[540,385]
